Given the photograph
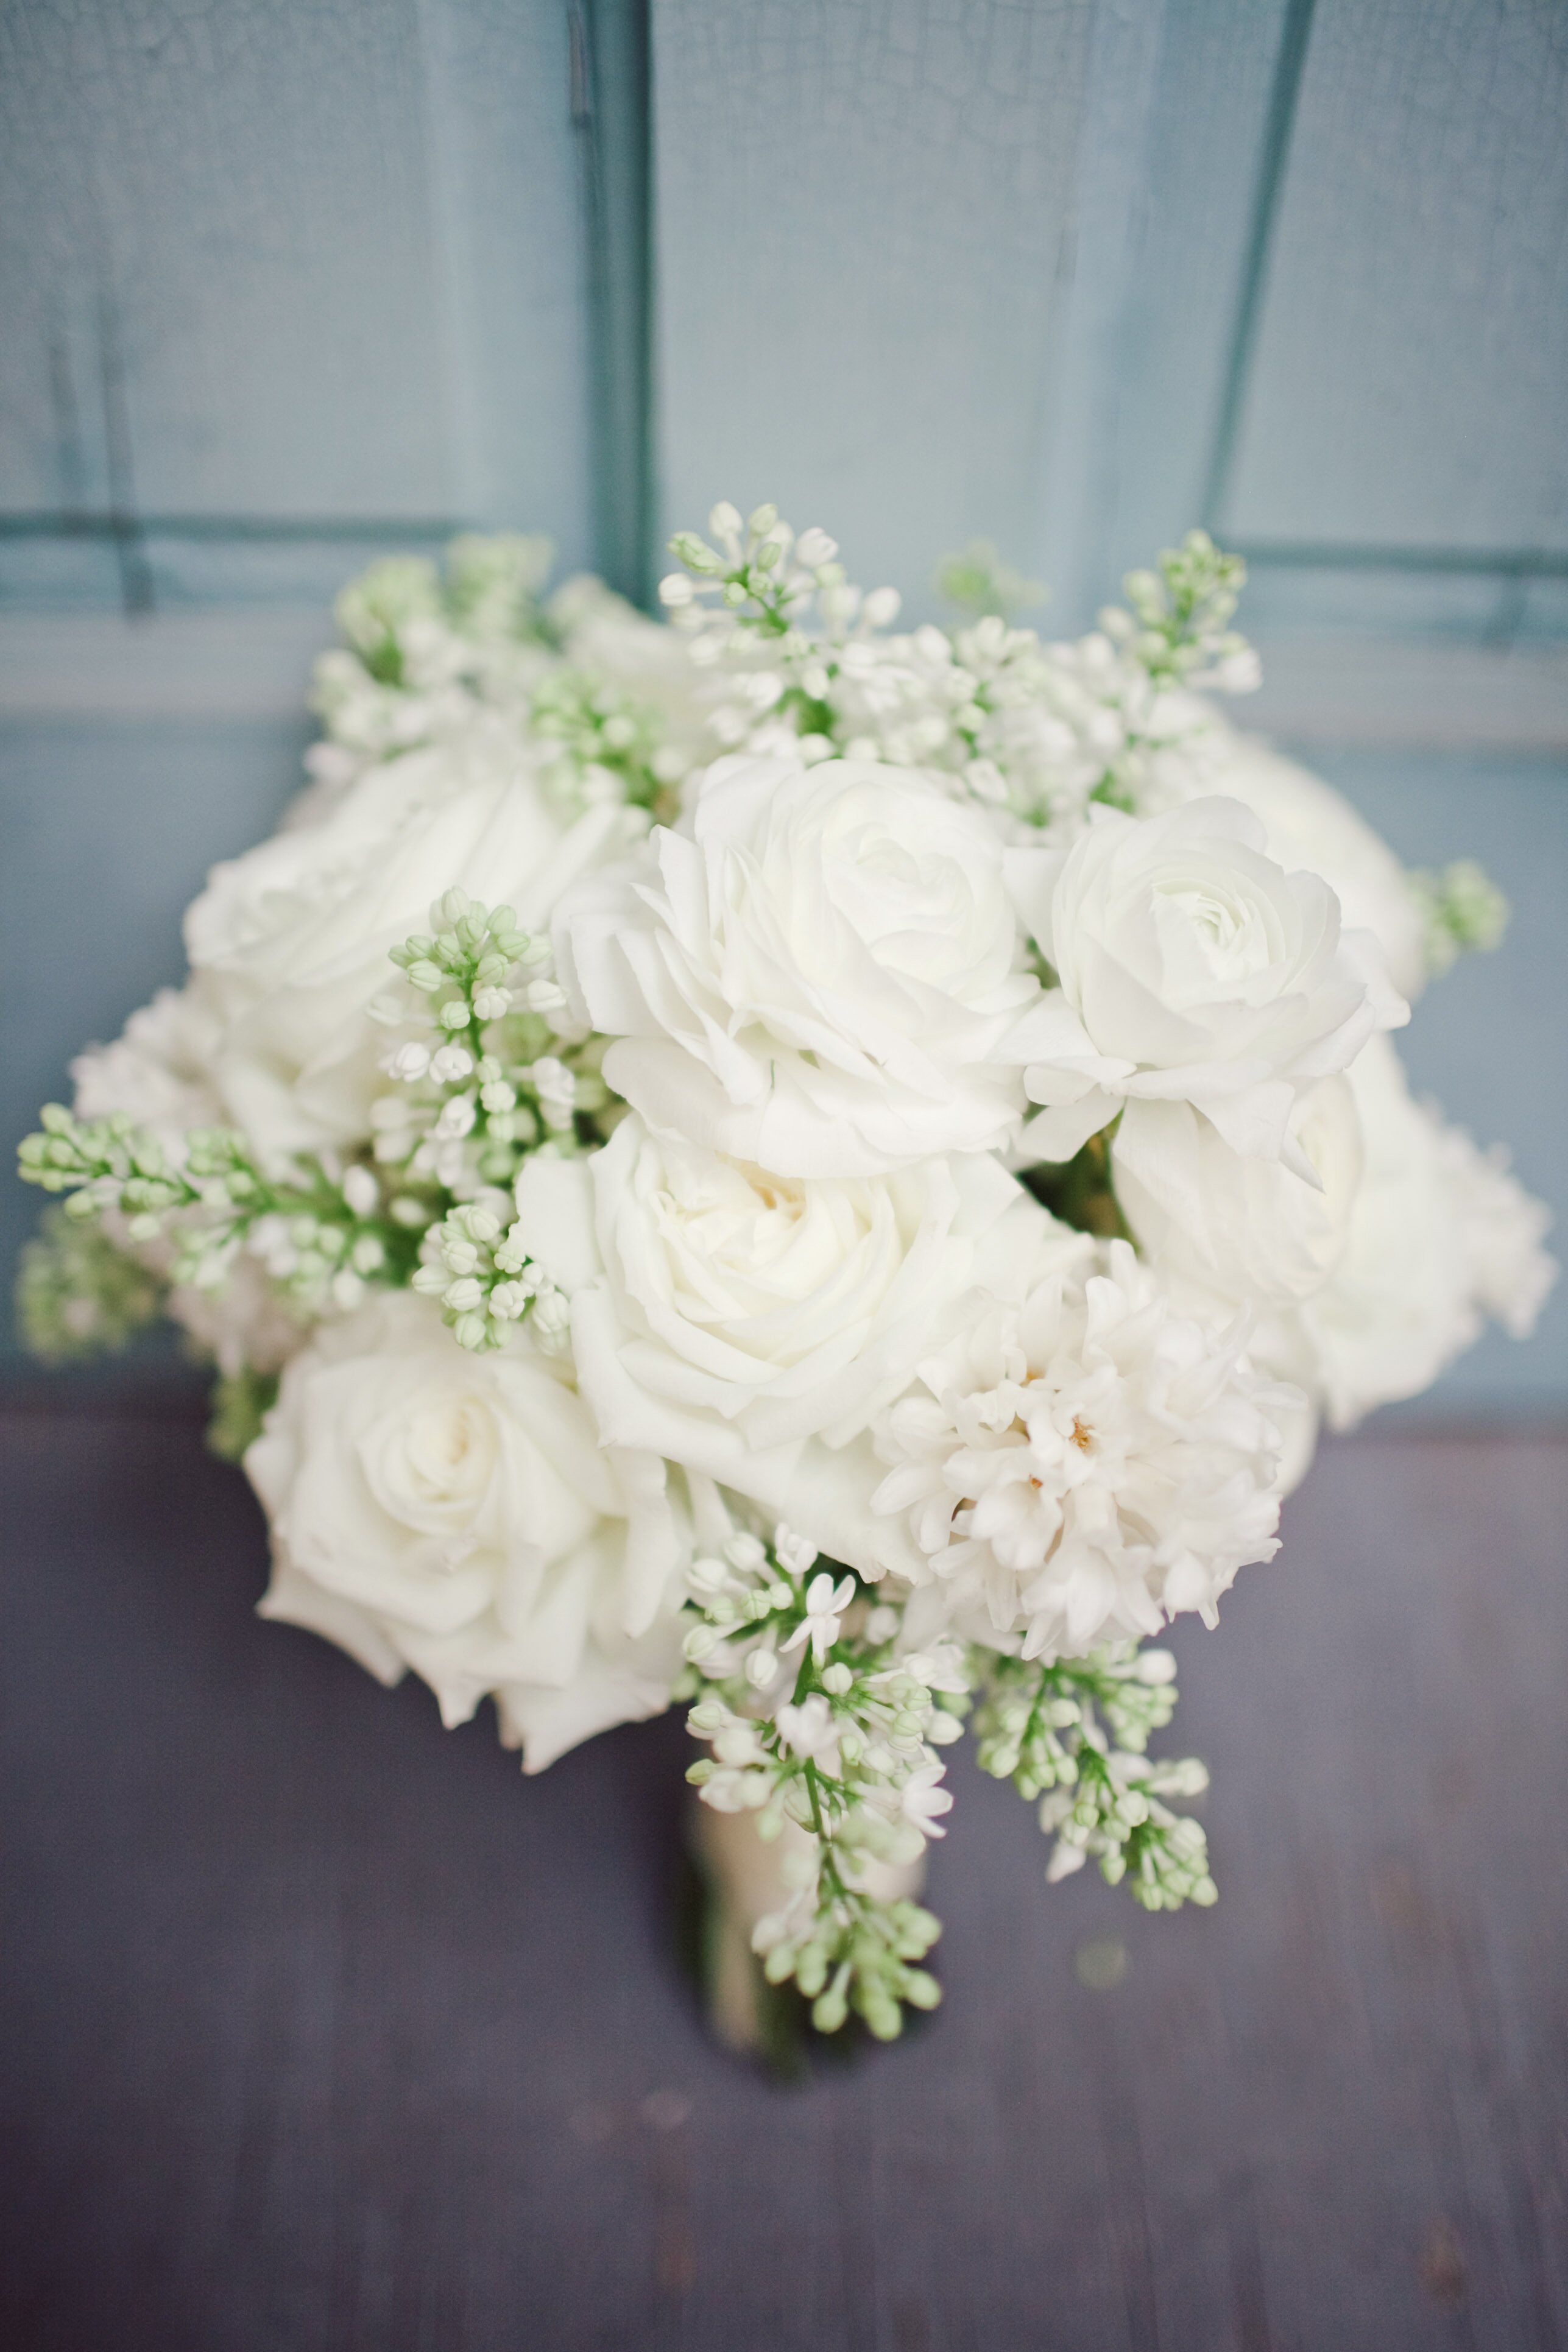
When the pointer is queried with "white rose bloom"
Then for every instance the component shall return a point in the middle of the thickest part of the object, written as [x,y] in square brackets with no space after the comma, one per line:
[1081,1465]
[290,943]
[458,1513]
[723,1317]
[1310,825]
[1440,1237]
[1250,1230]
[1191,969]
[821,980]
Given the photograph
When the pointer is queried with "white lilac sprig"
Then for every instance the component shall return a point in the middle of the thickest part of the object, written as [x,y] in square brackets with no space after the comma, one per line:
[426,648]
[483,1074]
[1036,731]
[463,1119]
[1462,909]
[323,1235]
[813,1718]
[429,652]
[602,745]
[78,1294]
[475,1264]
[773,613]
[1178,630]
[1048,729]
[1073,1735]
[979,581]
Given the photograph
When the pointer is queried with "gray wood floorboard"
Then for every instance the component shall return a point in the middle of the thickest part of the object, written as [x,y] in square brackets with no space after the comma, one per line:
[327,2033]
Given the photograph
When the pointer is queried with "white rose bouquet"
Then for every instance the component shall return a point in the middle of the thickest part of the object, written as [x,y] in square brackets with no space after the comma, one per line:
[823,1175]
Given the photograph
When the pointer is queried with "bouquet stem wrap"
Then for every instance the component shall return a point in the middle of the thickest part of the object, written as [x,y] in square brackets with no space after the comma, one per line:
[745,1881]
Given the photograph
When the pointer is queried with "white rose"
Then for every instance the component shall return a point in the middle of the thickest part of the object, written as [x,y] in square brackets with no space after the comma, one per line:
[1250,1230]
[458,1513]
[1191,969]
[723,1317]
[821,980]
[1082,1462]
[291,941]
[1439,1236]
[1310,825]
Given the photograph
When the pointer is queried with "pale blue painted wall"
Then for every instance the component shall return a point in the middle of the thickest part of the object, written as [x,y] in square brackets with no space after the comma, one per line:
[287,280]
[89,922]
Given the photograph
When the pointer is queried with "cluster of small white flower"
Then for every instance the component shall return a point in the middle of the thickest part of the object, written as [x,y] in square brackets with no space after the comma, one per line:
[801,660]
[472,654]
[871,1229]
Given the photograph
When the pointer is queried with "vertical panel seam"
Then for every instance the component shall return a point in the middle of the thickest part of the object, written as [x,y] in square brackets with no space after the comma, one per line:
[610,103]
[124,529]
[1278,131]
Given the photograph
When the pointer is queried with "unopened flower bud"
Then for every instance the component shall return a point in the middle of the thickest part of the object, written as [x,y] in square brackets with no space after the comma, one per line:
[360,1192]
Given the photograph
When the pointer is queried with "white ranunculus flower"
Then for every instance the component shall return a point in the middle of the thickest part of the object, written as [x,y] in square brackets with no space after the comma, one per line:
[723,1317]
[1250,1230]
[290,943]
[822,979]
[1310,825]
[458,1513]
[1440,1236]
[1082,1462]
[1191,969]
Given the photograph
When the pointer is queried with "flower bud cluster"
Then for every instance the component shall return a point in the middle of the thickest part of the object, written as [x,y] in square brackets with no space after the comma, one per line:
[486,1282]
[425,651]
[1036,731]
[77,1294]
[1115,1812]
[320,1237]
[1074,1735]
[606,746]
[104,1163]
[1177,631]
[1461,908]
[764,576]
[483,1074]
[321,1252]
[462,1117]
[469,652]
[813,1715]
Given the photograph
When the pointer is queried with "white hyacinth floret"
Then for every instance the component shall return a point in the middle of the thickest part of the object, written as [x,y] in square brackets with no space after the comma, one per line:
[1083,1465]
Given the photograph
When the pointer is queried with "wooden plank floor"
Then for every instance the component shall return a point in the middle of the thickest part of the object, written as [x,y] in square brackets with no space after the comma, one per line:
[326,2032]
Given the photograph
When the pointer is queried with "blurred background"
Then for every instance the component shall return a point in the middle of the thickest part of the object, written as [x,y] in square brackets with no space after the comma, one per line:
[289,282]
[324,2035]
